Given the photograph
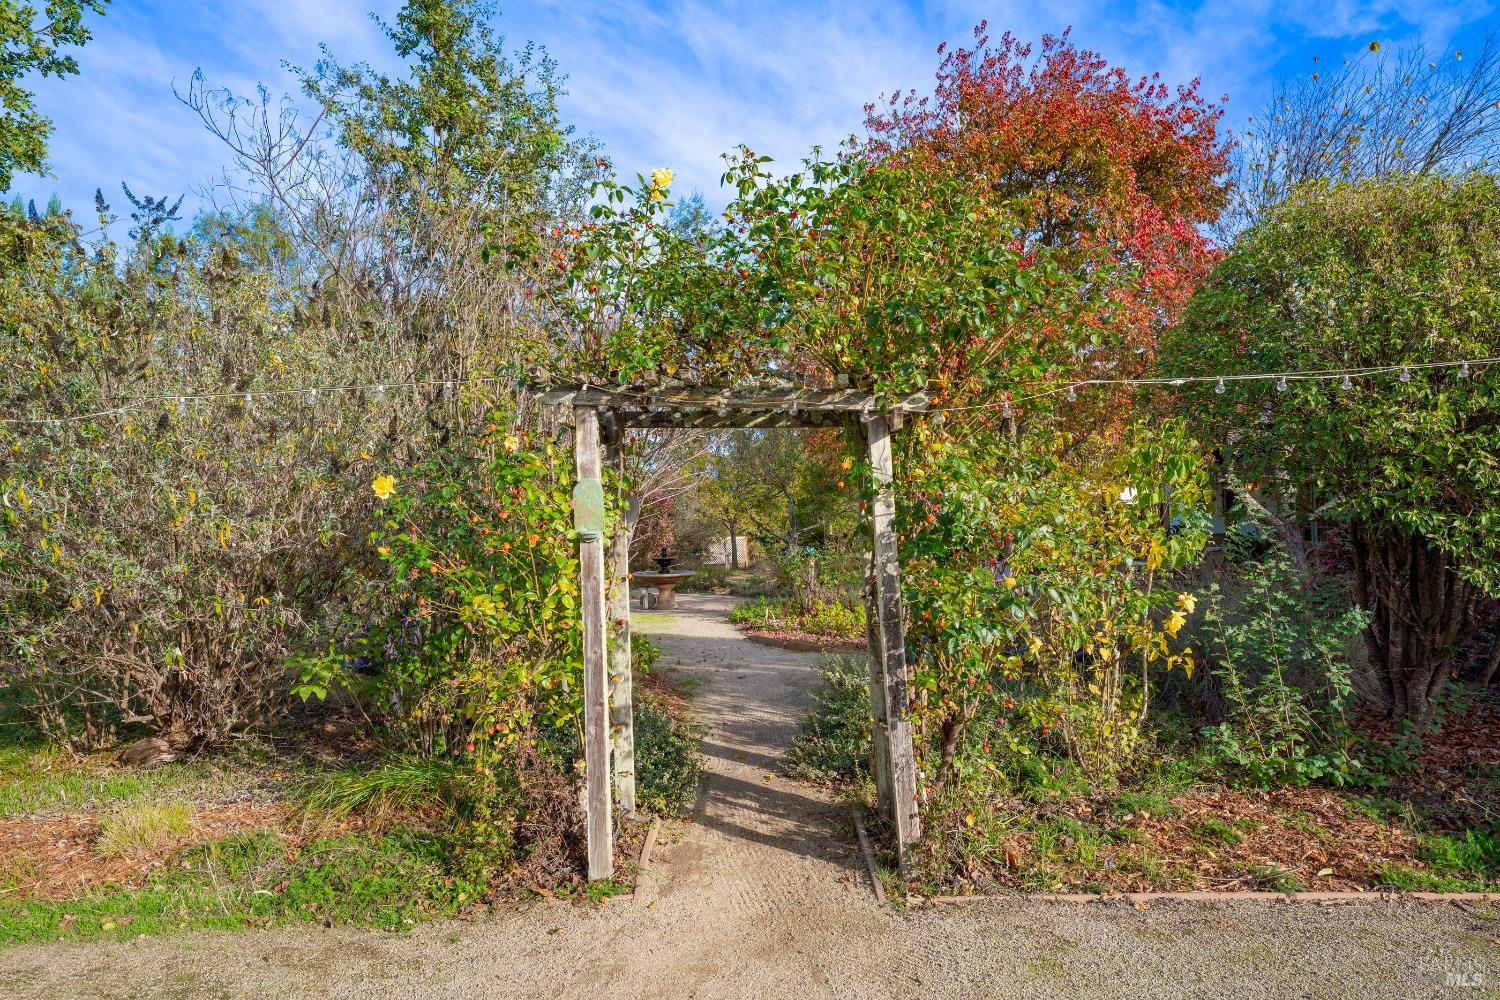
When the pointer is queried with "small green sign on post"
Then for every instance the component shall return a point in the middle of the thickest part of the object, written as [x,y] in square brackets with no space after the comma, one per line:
[588,510]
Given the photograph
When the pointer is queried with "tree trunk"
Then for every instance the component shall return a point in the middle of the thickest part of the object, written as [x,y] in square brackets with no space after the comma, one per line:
[1493,666]
[734,547]
[1422,613]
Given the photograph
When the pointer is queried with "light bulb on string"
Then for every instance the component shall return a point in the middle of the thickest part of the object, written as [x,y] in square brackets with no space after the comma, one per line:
[379,394]
[1463,370]
[1281,383]
[1405,374]
[1347,384]
[1072,394]
[249,403]
[312,397]
[181,406]
[1219,386]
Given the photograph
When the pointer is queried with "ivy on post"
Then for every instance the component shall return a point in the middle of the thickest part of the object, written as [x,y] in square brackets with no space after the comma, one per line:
[621,694]
[588,520]
[879,751]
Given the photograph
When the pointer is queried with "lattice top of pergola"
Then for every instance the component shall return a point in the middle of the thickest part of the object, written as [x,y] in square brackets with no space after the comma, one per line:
[733,406]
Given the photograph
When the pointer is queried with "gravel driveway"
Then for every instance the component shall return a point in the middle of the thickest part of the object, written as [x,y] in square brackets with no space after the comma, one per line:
[762,894]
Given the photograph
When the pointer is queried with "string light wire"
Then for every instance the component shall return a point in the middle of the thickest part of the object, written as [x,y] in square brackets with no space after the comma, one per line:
[1219,381]
[184,399]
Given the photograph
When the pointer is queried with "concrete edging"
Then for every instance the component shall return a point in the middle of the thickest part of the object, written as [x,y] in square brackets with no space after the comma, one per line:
[1321,898]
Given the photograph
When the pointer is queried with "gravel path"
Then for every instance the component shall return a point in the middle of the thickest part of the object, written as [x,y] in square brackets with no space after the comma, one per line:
[762,894]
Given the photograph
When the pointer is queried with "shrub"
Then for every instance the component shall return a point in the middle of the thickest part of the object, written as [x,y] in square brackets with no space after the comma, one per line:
[1376,275]
[834,743]
[477,659]
[667,761]
[1046,561]
[644,654]
[708,578]
[158,566]
[813,577]
[1282,666]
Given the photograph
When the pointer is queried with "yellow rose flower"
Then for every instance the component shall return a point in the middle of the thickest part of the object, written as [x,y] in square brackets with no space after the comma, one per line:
[384,486]
[512,443]
[661,178]
[1010,582]
[1186,603]
[1174,623]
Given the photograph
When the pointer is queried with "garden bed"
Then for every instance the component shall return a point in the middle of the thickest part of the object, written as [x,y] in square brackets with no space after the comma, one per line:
[1022,818]
[90,848]
[825,627]
[1211,839]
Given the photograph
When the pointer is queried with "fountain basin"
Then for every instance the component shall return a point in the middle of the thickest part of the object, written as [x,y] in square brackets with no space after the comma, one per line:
[665,584]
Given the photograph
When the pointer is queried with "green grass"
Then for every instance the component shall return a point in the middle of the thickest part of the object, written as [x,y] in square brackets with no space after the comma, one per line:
[1216,831]
[1273,879]
[395,783]
[1470,863]
[36,778]
[142,828]
[392,881]
[1143,801]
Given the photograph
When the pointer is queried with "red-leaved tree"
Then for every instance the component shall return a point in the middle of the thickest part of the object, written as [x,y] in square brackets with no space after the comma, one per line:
[1107,169]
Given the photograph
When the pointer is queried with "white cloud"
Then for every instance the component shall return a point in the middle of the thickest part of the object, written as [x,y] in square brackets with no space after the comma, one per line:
[676,82]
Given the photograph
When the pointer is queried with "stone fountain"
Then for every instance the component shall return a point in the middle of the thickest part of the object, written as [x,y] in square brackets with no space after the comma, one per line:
[665,580]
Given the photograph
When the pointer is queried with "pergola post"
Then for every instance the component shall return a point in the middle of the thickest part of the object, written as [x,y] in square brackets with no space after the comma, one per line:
[879,751]
[891,649]
[588,514]
[621,699]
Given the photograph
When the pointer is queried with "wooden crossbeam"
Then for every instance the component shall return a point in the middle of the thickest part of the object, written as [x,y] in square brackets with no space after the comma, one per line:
[734,419]
[802,405]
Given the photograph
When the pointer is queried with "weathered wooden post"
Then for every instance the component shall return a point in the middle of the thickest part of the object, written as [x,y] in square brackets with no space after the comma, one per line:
[879,751]
[902,763]
[588,519]
[621,698]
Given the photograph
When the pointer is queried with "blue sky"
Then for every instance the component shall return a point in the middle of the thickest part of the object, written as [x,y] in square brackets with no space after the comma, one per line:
[677,82]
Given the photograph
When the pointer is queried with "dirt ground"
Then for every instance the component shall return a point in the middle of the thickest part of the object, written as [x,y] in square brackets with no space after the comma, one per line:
[762,894]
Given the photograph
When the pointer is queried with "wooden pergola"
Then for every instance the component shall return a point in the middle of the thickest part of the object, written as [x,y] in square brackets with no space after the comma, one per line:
[600,416]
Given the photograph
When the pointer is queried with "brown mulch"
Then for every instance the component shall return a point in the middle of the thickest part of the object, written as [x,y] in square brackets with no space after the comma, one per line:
[657,688]
[1310,834]
[1455,777]
[52,856]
